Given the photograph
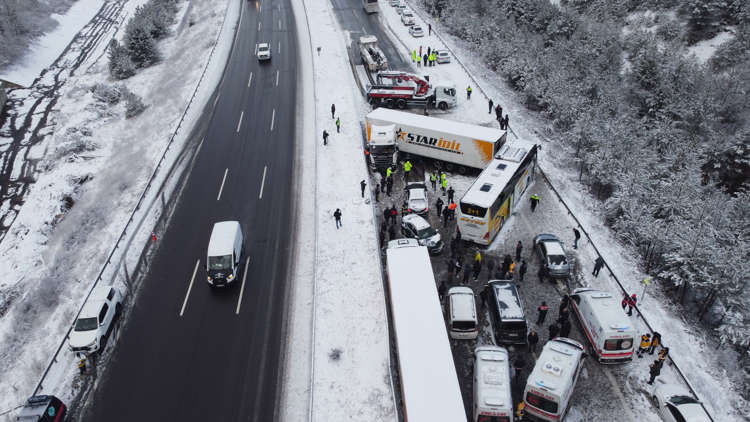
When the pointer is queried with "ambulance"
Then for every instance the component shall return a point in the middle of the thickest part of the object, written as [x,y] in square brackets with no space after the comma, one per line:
[608,328]
[553,379]
[492,397]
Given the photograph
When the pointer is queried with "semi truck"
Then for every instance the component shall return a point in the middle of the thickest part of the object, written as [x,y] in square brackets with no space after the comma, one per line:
[396,89]
[453,145]
[372,56]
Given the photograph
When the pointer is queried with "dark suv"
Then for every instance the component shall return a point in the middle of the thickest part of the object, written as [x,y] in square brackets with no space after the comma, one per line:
[42,409]
[508,319]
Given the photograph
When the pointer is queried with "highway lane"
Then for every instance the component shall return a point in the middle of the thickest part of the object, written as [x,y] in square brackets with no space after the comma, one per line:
[352,17]
[188,352]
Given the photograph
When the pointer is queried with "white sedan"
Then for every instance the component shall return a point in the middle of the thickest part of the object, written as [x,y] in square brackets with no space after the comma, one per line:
[407,17]
[674,404]
[443,57]
[263,51]
[416,31]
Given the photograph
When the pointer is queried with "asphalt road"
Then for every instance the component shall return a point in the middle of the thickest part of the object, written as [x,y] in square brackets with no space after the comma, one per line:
[188,352]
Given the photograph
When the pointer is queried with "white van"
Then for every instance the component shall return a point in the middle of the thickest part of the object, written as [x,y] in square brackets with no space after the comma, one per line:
[462,311]
[225,249]
[608,328]
[492,396]
[550,385]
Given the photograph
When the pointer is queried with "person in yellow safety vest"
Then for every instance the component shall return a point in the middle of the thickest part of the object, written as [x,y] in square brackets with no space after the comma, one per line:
[419,60]
[444,184]
[433,58]
[413,56]
[433,181]
[478,257]
[388,172]
[468,92]
[520,410]
[407,169]
[645,344]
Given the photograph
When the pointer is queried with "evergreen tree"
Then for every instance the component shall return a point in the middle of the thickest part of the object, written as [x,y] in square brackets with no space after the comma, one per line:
[120,65]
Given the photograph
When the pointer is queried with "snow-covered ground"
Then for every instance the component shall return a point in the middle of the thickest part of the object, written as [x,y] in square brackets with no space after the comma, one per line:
[705,49]
[102,161]
[47,49]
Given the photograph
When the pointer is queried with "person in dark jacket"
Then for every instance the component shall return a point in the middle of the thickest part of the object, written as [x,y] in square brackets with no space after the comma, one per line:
[477,268]
[467,274]
[450,267]
[325,137]
[518,366]
[490,266]
[388,185]
[519,249]
[451,192]
[506,265]
[333,110]
[392,231]
[441,290]
[439,206]
[337,217]
[377,192]
[491,103]
[533,340]
[543,308]
[565,327]
[577,236]
[564,302]
[624,301]
[446,216]
[381,237]
[598,264]
[631,304]
[387,215]
[564,315]
[554,330]
[654,370]
[522,271]
[362,185]
[394,214]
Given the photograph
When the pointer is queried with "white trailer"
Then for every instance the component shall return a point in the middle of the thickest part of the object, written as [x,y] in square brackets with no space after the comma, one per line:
[455,144]
[429,384]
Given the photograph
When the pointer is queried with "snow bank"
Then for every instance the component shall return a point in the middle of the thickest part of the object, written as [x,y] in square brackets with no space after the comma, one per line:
[705,49]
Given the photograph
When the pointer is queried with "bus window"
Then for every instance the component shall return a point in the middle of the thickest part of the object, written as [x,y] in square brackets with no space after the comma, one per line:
[473,210]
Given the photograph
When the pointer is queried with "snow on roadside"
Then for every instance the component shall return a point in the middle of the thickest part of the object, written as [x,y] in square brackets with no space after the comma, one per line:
[350,351]
[55,260]
[47,49]
[708,374]
[705,49]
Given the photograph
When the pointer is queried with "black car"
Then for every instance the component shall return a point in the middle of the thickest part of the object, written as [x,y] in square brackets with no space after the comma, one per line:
[42,409]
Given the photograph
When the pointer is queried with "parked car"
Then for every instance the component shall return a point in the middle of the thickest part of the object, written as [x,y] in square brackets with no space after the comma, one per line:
[395,3]
[407,17]
[418,228]
[263,51]
[675,404]
[555,262]
[417,198]
[462,313]
[95,323]
[416,31]
[506,312]
[42,409]
[443,57]
[400,8]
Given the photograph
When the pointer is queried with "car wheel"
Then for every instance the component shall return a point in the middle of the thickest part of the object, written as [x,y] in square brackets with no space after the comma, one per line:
[401,104]
[443,106]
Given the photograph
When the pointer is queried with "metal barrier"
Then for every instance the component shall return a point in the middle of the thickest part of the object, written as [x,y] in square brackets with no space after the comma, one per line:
[151,181]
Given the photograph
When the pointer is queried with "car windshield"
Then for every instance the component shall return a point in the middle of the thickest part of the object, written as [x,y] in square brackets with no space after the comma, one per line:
[220,262]
[683,400]
[86,324]
[426,232]
[263,48]
[418,203]
[557,259]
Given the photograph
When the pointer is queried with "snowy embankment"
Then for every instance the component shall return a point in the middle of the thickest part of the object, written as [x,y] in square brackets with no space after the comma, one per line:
[337,280]
[102,161]
[705,367]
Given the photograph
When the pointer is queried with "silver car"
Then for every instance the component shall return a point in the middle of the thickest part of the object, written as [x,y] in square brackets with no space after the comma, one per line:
[443,57]
[416,227]
[555,263]
[416,31]
[417,198]
[675,404]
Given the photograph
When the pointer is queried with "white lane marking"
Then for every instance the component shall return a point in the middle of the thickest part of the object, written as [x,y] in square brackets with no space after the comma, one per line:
[250,80]
[279,47]
[363,30]
[277,78]
[239,123]
[273,116]
[218,197]
[190,287]
[279,23]
[263,182]
[258,26]
[242,288]
[217,100]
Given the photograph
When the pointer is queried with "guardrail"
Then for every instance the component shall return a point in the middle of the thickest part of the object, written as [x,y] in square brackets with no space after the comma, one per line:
[159,193]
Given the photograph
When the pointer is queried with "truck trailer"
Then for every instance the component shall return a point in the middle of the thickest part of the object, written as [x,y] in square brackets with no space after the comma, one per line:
[455,145]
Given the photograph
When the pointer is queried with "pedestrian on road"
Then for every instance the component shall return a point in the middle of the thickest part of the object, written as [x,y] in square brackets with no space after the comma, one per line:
[477,269]
[429,50]
[377,192]
[388,185]
[333,110]
[490,266]
[420,50]
[337,216]
[631,304]
[381,179]
[454,246]
[394,213]
[598,264]
[404,209]
[565,327]
[644,345]
[458,265]
[338,125]
[467,273]
[439,206]
[554,330]
[511,268]
[443,184]
[429,29]
[564,302]
[498,112]
[468,92]
[388,172]
[386,216]
[452,209]
[654,370]
[413,55]
[534,201]
[522,271]
[433,182]
[407,169]
[543,308]
[446,216]
[663,353]
[507,260]
[426,59]
[655,342]
[384,225]
[82,364]
[325,137]
[458,233]
[563,315]
[506,122]
[381,237]
[624,301]
[577,236]
[362,185]
[450,194]
[441,290]
[392,231]
[533,340]
[518,366]
[520,411]
[419,60]
[491,103]
[519,249]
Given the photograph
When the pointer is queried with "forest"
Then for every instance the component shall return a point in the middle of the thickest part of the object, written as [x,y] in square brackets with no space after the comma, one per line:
[659,137]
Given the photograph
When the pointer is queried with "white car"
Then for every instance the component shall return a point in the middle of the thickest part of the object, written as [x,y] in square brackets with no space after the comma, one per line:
[416,31]
[407,17]
[95,323]
[674,404]
[400,8]
[395,3]
[263,51]
[443,57]
[417,198]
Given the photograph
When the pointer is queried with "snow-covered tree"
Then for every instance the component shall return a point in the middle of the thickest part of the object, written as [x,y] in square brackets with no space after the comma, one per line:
[120,64]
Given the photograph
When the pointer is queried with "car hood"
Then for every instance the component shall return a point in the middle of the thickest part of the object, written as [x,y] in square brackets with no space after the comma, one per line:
[81,338]
[417,204]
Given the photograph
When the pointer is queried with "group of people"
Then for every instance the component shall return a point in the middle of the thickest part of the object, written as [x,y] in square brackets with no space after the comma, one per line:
[649,343]
[338,125]
[428,59]
[503,121]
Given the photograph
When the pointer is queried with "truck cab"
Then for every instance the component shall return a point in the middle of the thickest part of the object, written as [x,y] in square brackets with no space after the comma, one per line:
[381,142]
[445,96]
